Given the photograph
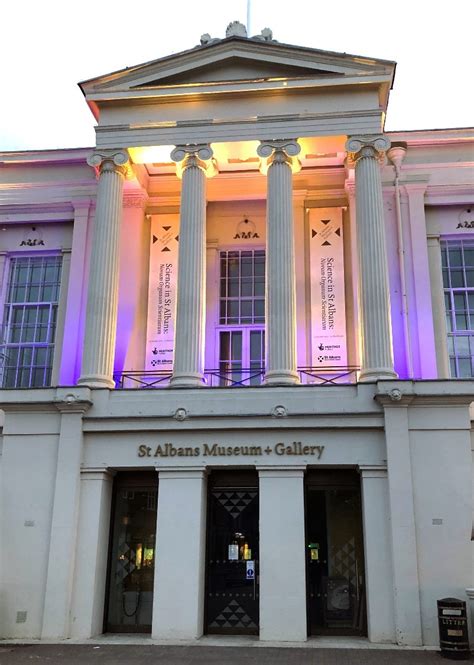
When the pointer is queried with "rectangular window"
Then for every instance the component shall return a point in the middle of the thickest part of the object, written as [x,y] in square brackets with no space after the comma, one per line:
[458,279]
[242,287]
[29,322]
[242,317]
[242,354]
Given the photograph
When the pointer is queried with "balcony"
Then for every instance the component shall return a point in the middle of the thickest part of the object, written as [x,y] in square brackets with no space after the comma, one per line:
[238,378]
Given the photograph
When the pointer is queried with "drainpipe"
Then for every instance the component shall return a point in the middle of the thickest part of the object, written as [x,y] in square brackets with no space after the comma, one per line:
[396,155]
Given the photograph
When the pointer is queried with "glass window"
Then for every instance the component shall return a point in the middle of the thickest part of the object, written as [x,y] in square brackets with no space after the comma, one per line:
[29,322]
[242,287]
[242,317]
[458,278]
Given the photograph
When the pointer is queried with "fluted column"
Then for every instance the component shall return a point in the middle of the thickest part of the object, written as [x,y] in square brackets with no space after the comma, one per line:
[376,334]
[193,165]
[279,161]
[102,298]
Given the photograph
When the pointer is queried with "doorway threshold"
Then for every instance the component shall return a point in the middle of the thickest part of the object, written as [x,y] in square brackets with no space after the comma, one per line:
[320,642]
[135,639]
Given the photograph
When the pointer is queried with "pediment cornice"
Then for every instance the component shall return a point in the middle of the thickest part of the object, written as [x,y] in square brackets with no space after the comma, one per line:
[233,64]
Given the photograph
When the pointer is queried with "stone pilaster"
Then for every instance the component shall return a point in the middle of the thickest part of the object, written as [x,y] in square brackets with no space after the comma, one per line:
[178,600]
[401,497]
[64,518]
[102,299]
[282,588]
[438,307]
[194,162]
[71,342]
[376,334]
[278,161]
[93,532]
[378,553]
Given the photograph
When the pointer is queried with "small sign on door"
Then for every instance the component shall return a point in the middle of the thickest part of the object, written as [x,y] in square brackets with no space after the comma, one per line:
[250,570]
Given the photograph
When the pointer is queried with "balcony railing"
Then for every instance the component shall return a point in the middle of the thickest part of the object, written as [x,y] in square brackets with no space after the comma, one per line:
[238,378]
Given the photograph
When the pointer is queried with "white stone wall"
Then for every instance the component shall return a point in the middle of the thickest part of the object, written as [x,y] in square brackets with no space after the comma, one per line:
[441,474]
[30,448]
[428,481]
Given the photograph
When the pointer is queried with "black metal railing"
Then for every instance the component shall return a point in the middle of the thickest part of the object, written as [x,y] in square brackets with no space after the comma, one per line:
[238,378]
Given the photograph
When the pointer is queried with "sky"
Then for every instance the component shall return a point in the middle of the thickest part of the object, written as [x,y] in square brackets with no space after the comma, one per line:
[48,46]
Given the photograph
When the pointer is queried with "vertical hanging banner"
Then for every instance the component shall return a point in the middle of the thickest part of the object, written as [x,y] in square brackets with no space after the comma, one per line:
[328,306]
[164,237]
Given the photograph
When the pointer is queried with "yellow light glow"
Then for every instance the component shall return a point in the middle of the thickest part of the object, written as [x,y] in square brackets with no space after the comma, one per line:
[240,150]
[155,154]
[138,556]
[148,557]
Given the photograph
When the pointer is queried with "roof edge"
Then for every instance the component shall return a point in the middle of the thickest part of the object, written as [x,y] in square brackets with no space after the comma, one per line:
[242,40]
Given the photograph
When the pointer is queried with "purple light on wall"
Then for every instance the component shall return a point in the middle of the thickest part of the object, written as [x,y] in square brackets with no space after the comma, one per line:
[133,293]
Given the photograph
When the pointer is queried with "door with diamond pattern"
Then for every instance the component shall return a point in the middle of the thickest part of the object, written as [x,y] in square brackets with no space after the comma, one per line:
[232,597]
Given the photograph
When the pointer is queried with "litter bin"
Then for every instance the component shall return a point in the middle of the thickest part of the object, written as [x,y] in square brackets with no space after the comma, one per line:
[453,635]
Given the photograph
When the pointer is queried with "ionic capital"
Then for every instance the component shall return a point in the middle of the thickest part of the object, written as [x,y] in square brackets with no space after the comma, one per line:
[283,151]
[367,146]
[197,155]
[111,160]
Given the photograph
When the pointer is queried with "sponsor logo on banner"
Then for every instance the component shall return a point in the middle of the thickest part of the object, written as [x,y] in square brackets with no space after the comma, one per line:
[328,307]
[162,291]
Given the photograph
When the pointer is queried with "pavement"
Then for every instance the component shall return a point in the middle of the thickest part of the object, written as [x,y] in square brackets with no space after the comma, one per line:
[141,654]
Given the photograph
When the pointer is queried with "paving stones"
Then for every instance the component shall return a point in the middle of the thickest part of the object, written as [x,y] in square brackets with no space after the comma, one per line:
[109,654]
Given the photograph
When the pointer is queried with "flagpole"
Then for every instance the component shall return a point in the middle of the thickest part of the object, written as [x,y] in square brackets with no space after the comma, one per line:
[248,18]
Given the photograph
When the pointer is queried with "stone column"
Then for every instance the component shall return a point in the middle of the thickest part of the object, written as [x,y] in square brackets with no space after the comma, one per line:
[376,334]
[193,166]
[178,600]
[280,304]
[282,555]
[102,299]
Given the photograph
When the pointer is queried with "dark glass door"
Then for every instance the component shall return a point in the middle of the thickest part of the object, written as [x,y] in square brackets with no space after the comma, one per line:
[132,554]
[232,554]
[335,555]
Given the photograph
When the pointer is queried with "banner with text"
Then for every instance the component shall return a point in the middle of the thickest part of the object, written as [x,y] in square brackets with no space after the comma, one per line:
[162,291]
[328,308]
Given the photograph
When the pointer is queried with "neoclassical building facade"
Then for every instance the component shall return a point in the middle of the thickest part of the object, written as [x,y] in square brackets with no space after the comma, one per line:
[237,357]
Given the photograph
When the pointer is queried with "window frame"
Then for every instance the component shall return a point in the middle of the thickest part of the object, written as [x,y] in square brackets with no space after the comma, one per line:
[245,328]
[252,298]
[455,335]
[34,345]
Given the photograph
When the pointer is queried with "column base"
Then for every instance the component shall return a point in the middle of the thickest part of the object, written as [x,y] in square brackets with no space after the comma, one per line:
[376,374]
[187,380]
[96,381]
[281,377]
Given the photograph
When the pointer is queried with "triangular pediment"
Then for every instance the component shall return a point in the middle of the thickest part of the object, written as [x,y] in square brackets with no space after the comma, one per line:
[238,69]
[230,61]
